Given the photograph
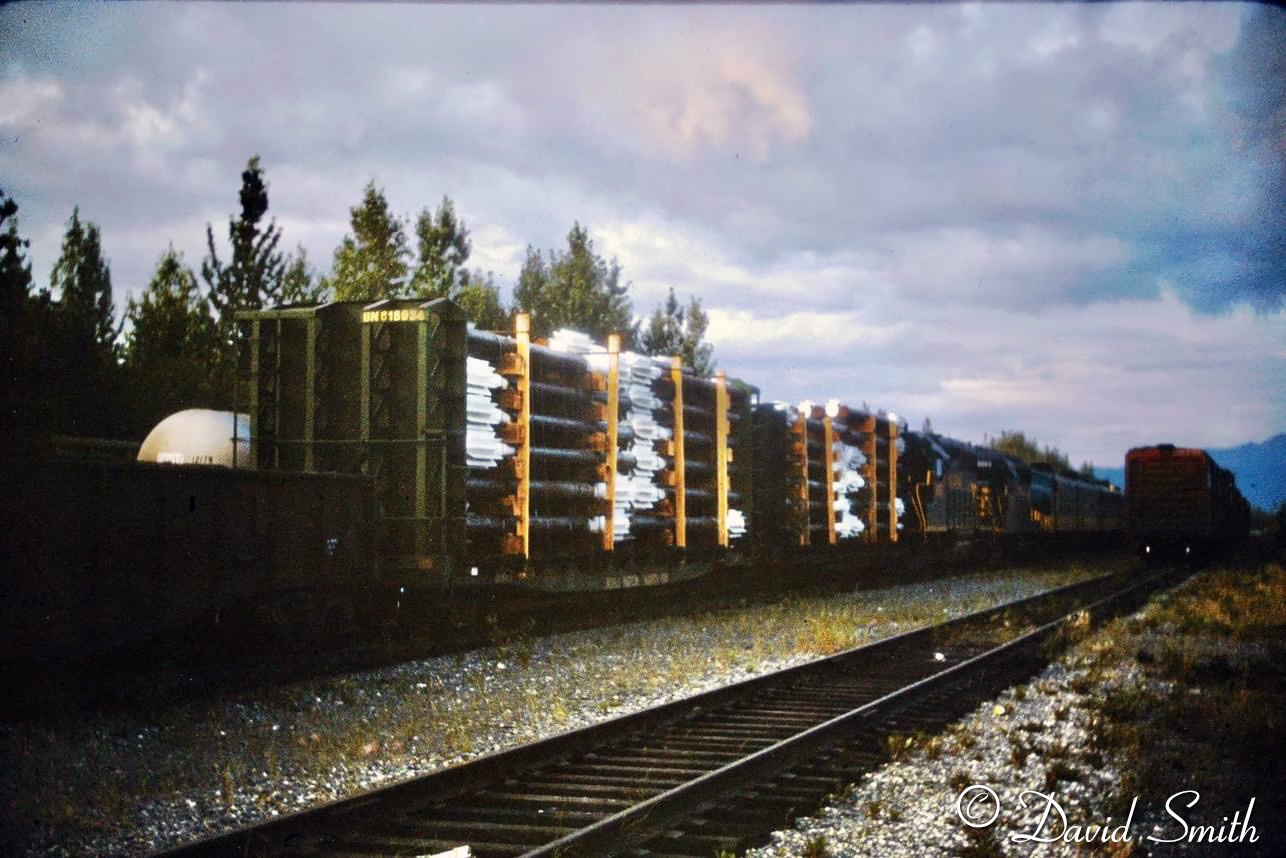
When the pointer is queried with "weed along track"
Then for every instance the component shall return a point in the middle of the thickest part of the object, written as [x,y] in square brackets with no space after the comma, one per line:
[709,773]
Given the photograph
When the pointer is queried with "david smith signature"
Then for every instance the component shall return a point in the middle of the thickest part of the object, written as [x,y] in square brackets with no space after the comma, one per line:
[978,806]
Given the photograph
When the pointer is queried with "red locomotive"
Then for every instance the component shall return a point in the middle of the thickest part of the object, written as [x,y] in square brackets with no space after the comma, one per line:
[1180,502]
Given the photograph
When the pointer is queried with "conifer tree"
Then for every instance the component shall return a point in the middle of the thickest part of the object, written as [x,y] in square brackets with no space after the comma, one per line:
[576,289]
[1016,443]
[300,285]
[444,247]
[371,262]
[16,328]
[82,280]
[251,279]
[173,337]
[673,329]
[81,356]
[479,297]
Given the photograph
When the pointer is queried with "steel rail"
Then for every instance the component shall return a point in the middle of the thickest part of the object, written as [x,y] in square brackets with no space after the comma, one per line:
[600,761]
[631,825]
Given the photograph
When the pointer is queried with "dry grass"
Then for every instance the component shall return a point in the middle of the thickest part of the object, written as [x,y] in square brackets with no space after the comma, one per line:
[1205,711]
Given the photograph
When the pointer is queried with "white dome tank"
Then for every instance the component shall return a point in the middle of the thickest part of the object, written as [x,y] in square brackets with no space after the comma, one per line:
[199,436]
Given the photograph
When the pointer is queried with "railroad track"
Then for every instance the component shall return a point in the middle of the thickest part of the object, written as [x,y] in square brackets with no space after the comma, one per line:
[711,773]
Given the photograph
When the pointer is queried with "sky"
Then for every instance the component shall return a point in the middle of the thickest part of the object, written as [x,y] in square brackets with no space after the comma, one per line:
[1063,219]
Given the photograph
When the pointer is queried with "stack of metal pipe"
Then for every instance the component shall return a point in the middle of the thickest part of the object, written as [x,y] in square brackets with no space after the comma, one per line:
[736,523]
[638,463]
[638,489]
[483,446]
[848,482]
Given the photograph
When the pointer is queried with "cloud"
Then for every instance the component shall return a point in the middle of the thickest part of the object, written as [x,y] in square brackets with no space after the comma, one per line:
[24,101]
[1092,380]
[803,335]
[1064,219]
[730,102]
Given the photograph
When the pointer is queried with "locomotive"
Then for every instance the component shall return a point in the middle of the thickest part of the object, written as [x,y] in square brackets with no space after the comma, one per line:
[391,448]
[1181,502]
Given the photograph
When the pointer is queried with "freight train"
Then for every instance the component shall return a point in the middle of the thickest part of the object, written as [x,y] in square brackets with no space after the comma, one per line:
[570,463]
[391,449]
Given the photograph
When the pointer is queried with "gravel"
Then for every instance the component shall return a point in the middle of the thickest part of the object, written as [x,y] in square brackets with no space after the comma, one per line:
[1034,737]
[1040,736]
[133,783]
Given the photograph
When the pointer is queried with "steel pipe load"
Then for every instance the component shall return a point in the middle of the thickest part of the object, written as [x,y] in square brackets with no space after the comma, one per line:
[483,450]
[568,425]
[573,395]
[546,524]
[549,423]
[626,462]
[699,384]
[736,524]
[645,392]
[566,455]
[699,468]
[561,489]
[700,439]
[646,460]
[643,523]
[697,412]
[490,346]
[641,400]
[638,494]
[849,481]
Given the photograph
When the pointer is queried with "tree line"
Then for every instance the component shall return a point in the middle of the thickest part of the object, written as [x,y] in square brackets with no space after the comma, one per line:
[1014,443]
[73,363]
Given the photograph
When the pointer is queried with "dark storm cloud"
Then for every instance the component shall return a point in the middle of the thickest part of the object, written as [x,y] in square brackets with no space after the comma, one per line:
[1255,75]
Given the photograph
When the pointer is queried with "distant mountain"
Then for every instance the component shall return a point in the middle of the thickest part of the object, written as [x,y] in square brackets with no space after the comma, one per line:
[1115,476]
[1260,471]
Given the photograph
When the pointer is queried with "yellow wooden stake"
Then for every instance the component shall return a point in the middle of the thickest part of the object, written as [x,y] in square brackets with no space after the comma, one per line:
[828,456]
[893,481]
[613,433]
[522,333]
[721,403]
[680,463]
